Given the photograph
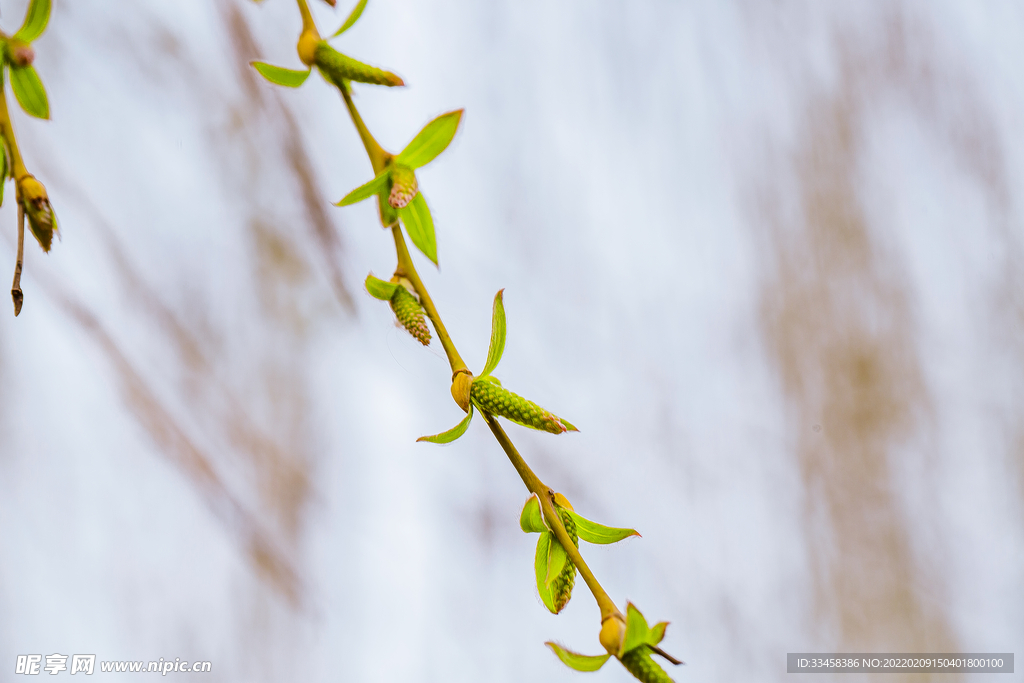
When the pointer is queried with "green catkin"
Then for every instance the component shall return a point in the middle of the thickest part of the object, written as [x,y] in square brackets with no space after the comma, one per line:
[410,313]
[639,662]
[338,68]
[561,587]
[403,186]
[490,396]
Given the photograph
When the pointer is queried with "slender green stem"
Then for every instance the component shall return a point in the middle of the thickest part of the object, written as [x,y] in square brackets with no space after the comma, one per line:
[378,157]
[554,520]
[307,16]
[407,270]
[18,170]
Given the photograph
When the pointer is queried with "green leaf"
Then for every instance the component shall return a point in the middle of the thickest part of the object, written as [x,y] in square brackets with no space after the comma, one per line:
[388,213]
[592,532]
[637,631]
[366,191]
[431,141]
[532,519]
[35,21]
[453,433]
[353,17]
[420,226]
[577,661]
[278,75]
[497,346]
[657,633]
[29,91]
[556,561]
[540,569]
[380,289]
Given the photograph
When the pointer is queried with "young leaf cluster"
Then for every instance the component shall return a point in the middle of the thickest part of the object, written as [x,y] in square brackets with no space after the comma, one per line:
[639,642]
[487,394]
[551,560]
[396,187]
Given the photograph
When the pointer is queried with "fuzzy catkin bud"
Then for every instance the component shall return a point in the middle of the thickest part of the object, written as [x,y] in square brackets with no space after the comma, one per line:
[410,313]
[561,587]
[338,68]
[490,396]
[403,186]
[639,662]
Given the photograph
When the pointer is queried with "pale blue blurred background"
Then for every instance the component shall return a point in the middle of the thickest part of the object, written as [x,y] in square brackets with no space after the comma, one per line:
[767,256]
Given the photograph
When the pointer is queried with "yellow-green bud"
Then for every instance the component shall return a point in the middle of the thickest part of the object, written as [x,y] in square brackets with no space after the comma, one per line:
[461,383]
[403,186]
[308,42]
[38,211]
[20,53]
[489,395]
[409,312]
[613,632]
[639,662]
[338,68]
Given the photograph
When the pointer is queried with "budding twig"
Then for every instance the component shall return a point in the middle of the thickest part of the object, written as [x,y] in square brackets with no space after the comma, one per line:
[381,160]
[406,268]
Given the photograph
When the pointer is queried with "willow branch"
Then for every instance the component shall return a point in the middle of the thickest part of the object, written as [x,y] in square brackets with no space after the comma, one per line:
[379,159]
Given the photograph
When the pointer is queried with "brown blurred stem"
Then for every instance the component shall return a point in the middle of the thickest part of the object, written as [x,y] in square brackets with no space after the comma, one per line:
[16,293]
[18,171]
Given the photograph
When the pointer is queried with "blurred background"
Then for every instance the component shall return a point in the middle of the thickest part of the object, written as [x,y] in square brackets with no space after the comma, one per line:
[767,256]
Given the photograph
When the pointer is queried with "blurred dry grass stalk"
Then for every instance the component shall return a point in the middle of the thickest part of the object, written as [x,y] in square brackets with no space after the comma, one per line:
[256,481]
[839,321]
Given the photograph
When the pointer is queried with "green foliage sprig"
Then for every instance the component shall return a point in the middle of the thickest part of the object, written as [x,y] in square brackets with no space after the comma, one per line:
[33,203]
[400,203]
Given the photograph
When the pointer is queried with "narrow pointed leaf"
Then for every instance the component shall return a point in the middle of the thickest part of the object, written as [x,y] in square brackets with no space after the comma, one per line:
[657,633]
[556,561]
[380,289]
[453,433]
[574,660]
[532,519]
[637,631]
[431,141]
[497,346]
[366,190]
[420,226]
[592,532]
[353,17]
[388,213]
[29,91]
[540,569]
[35,21]
[278,75]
